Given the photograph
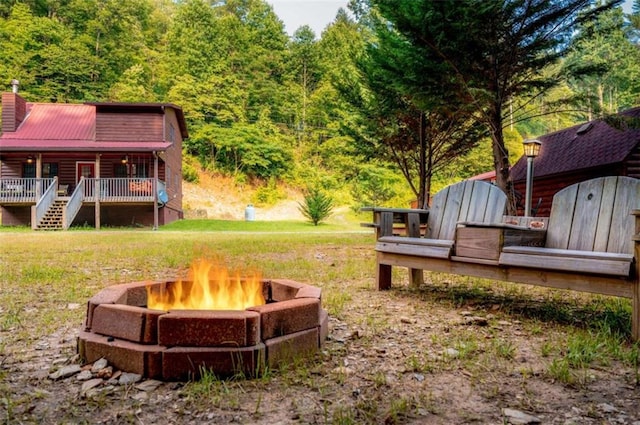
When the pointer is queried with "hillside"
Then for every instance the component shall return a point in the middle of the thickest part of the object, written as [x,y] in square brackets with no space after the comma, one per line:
[219,197]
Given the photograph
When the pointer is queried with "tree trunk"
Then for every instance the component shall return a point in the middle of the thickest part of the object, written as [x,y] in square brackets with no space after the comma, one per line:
[424,169]
[501,161]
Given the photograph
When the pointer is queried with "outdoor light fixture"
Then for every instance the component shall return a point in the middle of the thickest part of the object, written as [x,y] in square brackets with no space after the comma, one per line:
[125,159]
[29,159]
[531,150]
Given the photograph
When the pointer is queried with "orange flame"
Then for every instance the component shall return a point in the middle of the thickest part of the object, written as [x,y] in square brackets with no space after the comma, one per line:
[210,287]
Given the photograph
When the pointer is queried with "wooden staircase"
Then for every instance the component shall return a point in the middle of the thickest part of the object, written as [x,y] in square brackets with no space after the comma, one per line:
[52,220]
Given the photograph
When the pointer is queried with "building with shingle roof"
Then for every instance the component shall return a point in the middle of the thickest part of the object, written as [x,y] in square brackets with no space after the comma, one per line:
[602,147]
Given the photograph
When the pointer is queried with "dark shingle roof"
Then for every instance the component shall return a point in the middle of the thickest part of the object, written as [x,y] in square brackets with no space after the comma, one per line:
[583,146]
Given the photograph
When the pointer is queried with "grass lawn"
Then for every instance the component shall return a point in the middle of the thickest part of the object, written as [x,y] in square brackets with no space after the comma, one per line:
[458,350]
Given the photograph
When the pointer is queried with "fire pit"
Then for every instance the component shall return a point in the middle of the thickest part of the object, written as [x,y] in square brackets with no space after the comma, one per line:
[177,344]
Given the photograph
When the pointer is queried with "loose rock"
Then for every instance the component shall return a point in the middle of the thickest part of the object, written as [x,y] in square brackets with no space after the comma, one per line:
[129,378]
[65,372]
[516,417]
[92,383]
[99,365]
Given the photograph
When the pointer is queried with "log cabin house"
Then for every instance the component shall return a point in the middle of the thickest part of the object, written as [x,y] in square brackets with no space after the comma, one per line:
[582,152]
[114,164]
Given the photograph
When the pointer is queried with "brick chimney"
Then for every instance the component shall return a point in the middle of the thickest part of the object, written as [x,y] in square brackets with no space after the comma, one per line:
[14,109]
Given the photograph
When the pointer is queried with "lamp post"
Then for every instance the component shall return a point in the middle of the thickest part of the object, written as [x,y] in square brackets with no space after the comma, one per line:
[531,150]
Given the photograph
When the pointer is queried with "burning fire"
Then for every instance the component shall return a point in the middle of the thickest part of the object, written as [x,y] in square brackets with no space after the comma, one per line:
[210,287]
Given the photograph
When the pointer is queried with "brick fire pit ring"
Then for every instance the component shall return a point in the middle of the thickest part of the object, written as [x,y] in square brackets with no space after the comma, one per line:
[179,344]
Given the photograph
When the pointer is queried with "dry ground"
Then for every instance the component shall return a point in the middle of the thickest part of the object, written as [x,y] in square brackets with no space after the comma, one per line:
[429,356]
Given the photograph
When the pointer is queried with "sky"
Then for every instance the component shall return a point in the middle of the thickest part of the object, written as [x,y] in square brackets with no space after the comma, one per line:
[315,13]
[320,13]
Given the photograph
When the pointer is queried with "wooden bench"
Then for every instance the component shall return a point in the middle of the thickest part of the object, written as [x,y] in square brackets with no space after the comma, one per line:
[589,245]
[467,201]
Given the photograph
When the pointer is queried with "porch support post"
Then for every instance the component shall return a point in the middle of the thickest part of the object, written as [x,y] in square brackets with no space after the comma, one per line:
[38,176]
[96,191]
[155,190]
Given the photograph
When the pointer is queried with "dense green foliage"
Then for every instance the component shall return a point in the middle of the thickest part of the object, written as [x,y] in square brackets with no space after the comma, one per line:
[361,110]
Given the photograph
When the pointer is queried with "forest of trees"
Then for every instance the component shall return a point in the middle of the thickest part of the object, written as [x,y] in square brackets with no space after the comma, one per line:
[364,110]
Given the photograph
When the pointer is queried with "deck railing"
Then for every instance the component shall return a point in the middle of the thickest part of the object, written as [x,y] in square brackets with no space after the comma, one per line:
[73,204]
[31,190]
[119,189]
[44,202]
[17,190]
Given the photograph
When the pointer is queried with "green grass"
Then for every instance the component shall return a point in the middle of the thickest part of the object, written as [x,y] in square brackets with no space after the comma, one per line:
[202,225]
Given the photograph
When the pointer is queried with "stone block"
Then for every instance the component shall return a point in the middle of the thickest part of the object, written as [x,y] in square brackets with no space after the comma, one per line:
[136,324]
[179,363]
[200,328]
[288,317]
[127,356]
[284,289]
[309,291]
[137,292]
[285,349]
[111,295]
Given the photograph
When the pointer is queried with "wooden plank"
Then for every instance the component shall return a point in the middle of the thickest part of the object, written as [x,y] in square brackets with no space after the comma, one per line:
[622,222]
[605,285]
[585,216]
[478,242]
[479,201]
[383,276]
[496,205]
[561,216]
[436,213]
[568,253]
[605,215]
[386,224]
[416,241]
[413,225]
[414,250]
[581,265]
[475,260]
[465,200]
[451,212]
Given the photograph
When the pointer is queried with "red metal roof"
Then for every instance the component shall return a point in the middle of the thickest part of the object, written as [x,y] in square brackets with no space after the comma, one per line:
[69,127]
[52,121]
[584,146]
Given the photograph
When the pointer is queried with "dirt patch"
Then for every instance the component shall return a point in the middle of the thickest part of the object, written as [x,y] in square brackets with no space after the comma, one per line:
[400,356]
[218,197]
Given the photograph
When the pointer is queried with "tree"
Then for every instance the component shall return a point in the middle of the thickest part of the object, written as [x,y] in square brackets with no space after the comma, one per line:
[317,206]
[484,53]
[419,138]
[304,66]
[604,46]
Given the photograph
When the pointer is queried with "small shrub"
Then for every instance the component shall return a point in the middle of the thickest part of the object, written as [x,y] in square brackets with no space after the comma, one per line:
[268,194]
[317,206]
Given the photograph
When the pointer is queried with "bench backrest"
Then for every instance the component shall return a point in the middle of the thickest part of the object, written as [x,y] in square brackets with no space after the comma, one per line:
[595,215]
[469,200]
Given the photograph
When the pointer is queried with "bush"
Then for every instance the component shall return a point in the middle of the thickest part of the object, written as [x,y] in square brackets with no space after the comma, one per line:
[190,173]
[317,206]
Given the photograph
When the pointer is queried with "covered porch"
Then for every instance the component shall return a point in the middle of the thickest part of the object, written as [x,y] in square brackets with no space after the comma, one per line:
[48,190]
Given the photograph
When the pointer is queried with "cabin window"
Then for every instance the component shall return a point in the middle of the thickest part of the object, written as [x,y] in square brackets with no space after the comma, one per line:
[140,170]
[172,133]
[29,170]
[120,170]
[49,170]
